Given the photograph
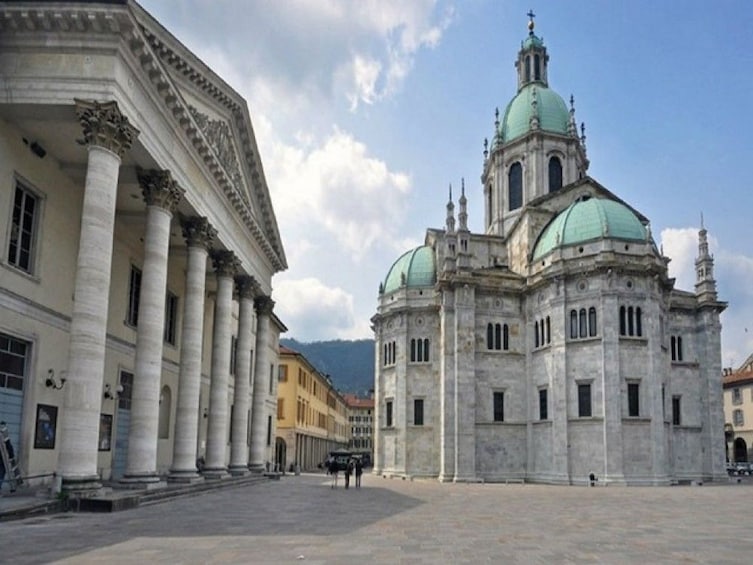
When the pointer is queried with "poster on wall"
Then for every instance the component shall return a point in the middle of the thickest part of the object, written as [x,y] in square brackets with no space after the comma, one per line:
[105,432]
[47,421]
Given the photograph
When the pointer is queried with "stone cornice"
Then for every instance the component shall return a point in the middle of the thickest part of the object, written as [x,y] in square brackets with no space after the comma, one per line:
[56,17]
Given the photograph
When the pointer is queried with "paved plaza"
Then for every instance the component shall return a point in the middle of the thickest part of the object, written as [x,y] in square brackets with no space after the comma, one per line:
[300,519]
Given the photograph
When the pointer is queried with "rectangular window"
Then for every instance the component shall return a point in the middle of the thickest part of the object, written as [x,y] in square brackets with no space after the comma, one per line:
[171,318]
[23,229]
[269,431]
[418,412]
[280,407]
[271,379]
[499,406]
[124,398]
[676,419]
[388,414]
[737,397]
[584,400]
[13,359]
[134,293]
[543,404]
[633,390]
[282,373]
[737,417]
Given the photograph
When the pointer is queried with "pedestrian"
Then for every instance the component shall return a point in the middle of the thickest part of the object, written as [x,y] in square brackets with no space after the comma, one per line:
[359,472]
[348,472]
[333,469]
[11,454]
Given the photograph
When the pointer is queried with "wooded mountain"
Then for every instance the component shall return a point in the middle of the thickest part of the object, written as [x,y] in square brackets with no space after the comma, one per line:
[350,364]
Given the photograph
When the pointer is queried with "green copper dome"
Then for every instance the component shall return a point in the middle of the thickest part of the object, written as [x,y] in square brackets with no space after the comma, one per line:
[414,268]
[587,220]
[550,108]
[532,41]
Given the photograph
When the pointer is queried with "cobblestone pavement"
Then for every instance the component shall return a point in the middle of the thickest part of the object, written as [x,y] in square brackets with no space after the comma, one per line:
[300,519]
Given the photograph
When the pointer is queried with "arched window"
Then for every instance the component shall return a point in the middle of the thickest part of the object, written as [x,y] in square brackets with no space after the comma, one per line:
[491,211]
[548,330]
[673,347]
[536,333]
[505,337]
[515,186]
[489,336]
[555,174]
[638,322]
[528,68]
[165,402]
[536,67]
[413,350]
[583,323]
[573,324]
[497,336]
[631,326]
[592,321]
[623,329]
[426,349]
[541,332]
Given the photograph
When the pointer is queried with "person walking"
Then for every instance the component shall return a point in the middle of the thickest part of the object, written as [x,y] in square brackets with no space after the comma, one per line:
[333,469]
[348,472]
[359,472]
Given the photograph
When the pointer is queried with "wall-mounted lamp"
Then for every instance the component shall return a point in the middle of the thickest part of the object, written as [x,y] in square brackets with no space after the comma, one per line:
[52,381]
[110,394]
[206,412]
[36,148]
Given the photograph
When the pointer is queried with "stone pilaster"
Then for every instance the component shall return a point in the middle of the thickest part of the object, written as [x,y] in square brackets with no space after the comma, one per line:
[465,384]
[257,457]
[199,235]
[162,196]
[226,265]
[108,135]
[247,288]
[447,387]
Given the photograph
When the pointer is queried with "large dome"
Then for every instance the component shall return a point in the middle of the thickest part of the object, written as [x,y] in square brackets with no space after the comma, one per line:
[551,110]
[413,268]
[590,219]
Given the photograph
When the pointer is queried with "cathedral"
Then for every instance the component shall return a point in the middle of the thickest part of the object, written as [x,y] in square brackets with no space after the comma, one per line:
[553,347]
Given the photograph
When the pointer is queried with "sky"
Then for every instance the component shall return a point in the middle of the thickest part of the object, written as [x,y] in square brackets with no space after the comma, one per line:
[365,111]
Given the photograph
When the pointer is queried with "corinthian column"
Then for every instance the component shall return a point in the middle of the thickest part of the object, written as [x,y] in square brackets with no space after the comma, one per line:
[108,135]
[226,264]
[199,235]
[259,416]
[162,195]
[239,443]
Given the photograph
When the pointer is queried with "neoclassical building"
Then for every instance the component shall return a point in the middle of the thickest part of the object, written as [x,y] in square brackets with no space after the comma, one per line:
[553,345]
[137,331]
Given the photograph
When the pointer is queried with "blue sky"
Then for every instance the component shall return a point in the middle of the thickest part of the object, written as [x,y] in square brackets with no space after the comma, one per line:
[366,110]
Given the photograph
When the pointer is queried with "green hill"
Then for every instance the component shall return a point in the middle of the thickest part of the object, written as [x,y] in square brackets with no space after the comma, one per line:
[350,364]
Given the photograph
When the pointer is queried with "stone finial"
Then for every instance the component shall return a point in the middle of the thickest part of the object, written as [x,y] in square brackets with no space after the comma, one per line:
[160,189]
[226,264]
[104,126]
[246,286]
[264,305]
[198,231]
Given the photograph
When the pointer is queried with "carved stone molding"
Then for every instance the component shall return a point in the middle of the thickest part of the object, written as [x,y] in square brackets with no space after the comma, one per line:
[197,231]
[219,136]
[226,264]
[104,126]
[160,189]
[264,305]
[246,286]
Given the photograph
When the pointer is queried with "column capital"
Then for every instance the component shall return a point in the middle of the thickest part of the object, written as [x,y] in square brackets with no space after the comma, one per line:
[226,264]
[104,125]
[246,286]
[198,232]
[159,189]
[264,304]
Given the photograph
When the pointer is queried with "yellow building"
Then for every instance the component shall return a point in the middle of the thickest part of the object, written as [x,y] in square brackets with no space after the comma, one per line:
[312,416]
[738,411]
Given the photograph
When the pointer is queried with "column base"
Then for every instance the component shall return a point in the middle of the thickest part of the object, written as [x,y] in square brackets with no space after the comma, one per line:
[82,487]
[215,474]
[144,482]
[257,467]
[184,477]
[238,470]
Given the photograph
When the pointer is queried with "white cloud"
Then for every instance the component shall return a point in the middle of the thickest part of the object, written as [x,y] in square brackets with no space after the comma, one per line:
[681,245]
[311,310]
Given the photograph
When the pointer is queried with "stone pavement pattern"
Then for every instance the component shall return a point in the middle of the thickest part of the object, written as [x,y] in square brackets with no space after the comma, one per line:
[300,519]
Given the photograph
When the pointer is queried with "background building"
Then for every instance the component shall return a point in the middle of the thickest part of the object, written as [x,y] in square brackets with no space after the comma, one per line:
[361,420]
[738,411]
[139,245]
[553,345]
[312,416]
